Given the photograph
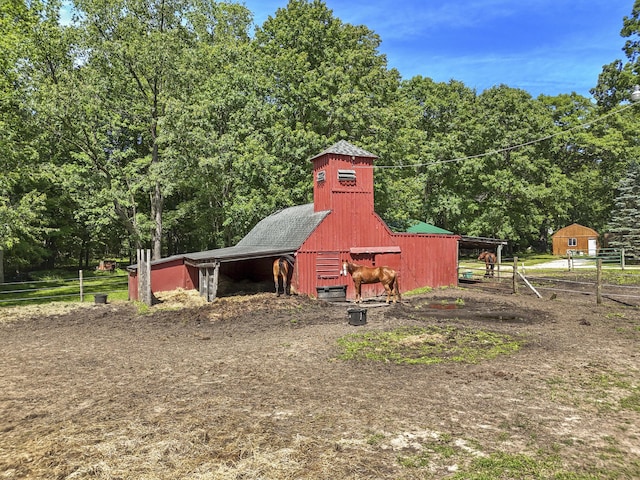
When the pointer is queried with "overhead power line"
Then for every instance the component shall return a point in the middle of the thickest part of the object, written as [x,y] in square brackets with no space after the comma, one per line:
[513,147]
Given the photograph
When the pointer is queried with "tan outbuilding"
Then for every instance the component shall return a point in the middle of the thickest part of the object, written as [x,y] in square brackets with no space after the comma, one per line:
[577,238]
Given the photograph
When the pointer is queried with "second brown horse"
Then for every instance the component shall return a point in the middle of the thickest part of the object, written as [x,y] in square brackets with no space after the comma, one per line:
[489,261]
[363,274]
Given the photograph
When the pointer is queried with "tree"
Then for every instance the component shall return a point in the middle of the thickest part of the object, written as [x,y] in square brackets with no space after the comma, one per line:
[440,116]
[324,81]
[616,80]
[110,105]
[624,226]
[22,222]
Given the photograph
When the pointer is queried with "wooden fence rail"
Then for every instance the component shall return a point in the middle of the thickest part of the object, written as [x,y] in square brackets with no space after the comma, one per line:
[515,278]
[15,293]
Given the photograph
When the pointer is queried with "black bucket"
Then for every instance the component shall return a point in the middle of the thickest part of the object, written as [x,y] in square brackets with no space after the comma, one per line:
[357,316]
[100,298]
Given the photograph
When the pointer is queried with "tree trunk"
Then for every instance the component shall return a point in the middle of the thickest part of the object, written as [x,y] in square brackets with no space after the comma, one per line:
[1,265]
[156,215]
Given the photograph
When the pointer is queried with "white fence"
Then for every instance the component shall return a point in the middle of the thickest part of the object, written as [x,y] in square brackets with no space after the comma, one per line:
[37,291]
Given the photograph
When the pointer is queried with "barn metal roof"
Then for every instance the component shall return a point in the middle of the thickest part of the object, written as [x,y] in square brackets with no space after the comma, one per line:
[480,242]
[287,228]
[281,233]
[345,148]
[422,227]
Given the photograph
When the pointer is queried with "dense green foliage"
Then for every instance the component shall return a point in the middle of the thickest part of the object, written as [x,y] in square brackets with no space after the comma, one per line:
[175,125]
[625,223]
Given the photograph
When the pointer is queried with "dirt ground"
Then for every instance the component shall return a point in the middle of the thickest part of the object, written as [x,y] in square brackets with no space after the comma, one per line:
[252,387]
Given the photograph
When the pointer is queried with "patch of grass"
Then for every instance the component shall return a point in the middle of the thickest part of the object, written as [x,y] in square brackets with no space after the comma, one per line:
[142,308]
[502,465]
[607,391]
[375,438]
[472,462]
[439,449]
[417,291]
[415,461]
[632,402]
[427,345]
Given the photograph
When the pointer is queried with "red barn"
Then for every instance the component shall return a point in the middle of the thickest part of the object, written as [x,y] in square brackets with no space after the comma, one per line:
[339,225]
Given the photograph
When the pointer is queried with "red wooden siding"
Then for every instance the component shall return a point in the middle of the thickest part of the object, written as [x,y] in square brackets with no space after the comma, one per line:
[343,185]
[166,276]
[330,193]
[356,233]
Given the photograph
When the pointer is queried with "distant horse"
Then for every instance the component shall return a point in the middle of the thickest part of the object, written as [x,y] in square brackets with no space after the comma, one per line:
[281,269]
[362,274]
[489,262]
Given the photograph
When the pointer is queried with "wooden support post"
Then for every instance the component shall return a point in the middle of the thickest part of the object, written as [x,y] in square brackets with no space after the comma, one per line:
[515,274]
[599,281]
[622,258]
[213,293]
[81,286]
[144,276]
[208,281]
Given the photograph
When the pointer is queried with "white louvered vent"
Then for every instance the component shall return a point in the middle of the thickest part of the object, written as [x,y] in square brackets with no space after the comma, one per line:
[346,175]
[321,176]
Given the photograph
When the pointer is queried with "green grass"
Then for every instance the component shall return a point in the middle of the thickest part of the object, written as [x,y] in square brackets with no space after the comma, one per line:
[509,466]
[417,291]
[473,462]
[62,285]
[427,345]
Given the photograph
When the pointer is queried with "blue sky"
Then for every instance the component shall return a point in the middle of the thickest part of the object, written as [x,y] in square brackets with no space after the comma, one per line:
[542,46]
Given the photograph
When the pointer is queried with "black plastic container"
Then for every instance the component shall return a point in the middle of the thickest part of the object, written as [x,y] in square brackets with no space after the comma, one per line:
[357,316]
[100,298]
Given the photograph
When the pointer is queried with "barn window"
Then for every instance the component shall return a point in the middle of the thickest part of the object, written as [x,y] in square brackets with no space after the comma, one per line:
[321,176]
[346,175]
[573,242]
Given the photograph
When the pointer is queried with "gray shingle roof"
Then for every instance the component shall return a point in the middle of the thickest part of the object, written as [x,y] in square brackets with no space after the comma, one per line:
[345,148]
[287,228]
[282,232]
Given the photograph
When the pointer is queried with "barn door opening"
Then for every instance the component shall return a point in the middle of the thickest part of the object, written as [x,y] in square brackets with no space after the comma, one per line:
[376,257]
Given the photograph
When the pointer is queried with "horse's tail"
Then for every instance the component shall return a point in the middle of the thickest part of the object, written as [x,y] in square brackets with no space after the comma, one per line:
[282,266]
[396,288]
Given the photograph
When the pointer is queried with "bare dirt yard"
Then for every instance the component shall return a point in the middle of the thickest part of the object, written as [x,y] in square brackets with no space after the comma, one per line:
[258,387]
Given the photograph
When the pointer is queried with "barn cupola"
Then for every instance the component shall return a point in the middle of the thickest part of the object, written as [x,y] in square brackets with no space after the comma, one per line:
[342,178]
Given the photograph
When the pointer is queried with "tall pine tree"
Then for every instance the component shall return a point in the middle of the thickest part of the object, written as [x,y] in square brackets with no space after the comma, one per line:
[624,224]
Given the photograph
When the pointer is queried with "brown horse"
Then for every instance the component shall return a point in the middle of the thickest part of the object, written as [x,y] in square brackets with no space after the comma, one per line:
[281,269]
[489,262]
[362,274]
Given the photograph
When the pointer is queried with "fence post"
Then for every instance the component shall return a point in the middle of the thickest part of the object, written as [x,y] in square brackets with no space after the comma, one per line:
[81,287]
[622,258]
[515,274]
[599,281]
[144,276]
